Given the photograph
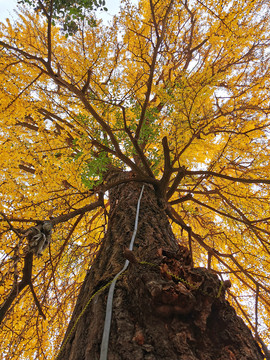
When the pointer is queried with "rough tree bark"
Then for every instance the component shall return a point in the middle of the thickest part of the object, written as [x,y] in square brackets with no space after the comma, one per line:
[163,312]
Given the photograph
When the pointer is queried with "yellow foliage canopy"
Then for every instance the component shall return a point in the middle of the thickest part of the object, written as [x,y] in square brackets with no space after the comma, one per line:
[176,91]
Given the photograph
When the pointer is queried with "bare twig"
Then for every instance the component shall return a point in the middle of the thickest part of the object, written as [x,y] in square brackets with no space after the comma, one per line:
[23,90]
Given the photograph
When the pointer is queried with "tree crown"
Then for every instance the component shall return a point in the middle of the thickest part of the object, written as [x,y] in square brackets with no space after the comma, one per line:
[177,92]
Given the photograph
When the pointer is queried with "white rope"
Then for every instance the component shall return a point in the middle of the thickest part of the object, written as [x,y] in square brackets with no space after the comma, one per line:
[108,317]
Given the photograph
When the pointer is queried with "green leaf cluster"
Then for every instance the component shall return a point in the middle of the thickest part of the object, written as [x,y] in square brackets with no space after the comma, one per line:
[67,12]
[94,169]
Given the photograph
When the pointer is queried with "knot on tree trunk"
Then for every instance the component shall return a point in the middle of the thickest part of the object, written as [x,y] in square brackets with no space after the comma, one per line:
[174,288]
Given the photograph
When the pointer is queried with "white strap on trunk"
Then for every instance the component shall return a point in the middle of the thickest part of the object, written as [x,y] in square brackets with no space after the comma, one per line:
[108,317]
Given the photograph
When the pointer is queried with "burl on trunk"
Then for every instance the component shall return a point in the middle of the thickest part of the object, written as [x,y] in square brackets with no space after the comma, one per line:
[163,307]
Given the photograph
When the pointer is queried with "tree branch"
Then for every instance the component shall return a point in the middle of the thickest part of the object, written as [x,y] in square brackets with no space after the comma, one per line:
[24,53]
[257,337]
[28,261]
[179,176]
[244,220]
[227,177]
[136,145]
[152,70]
[164,181]
[181,199]
[49,33]
[36,301]
[10,225]
[79,93]
[18,287]
[83,210]
[178,220]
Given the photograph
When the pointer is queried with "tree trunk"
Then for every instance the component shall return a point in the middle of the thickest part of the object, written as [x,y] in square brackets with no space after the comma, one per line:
[163,308]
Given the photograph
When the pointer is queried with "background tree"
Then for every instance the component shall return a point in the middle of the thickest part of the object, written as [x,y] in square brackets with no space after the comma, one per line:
[175,92]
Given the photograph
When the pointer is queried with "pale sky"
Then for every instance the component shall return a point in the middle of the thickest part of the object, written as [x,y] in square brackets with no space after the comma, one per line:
[7,6]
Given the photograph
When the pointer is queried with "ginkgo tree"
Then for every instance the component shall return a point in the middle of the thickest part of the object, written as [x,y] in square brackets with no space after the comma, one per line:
[153,128]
